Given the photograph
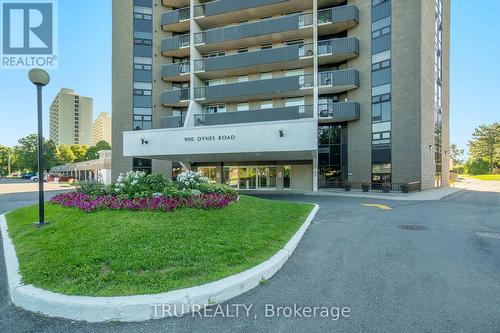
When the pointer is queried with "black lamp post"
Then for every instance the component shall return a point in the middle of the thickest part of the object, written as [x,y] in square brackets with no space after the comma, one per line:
[40,79]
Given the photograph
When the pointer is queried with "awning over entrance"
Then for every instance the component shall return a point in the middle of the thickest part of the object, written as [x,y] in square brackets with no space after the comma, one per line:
[276,141]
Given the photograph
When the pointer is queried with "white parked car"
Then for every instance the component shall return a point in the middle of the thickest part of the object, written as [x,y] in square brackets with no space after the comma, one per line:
[35,177]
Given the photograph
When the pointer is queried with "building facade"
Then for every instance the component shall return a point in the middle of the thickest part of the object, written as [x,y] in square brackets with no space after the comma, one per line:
[101,129]
[71,118]
[283,94]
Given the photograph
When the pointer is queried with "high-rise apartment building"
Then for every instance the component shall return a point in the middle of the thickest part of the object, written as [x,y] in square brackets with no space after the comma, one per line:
[283,94]
[101,129]
[71,118]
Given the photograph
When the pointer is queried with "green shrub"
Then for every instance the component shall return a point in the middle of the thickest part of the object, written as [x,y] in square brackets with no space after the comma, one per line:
[93,188]
[174,191]
[477,166]
[156,182]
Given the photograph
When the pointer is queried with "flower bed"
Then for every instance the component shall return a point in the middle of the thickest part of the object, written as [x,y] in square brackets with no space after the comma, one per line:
[138,191]
[158,203]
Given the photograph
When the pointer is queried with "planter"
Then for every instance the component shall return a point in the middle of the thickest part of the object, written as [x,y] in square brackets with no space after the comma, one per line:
[347,188]
[365,187]
[405,188]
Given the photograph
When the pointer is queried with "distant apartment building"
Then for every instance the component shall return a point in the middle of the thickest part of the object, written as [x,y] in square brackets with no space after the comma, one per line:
[101,129]
[71,118]
[284,94]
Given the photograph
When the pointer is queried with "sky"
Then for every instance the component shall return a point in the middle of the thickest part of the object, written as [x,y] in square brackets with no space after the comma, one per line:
[85,66]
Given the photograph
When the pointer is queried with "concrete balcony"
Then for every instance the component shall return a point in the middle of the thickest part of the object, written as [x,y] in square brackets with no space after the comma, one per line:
[338,81]
[175,97]
[293,26]
[263,89]
[176,20]
[176,72]
[254,116]
[337,19]
[338,112]
[288,57]
[177,46]
[337,50]
[172,122]
[220,12]
[175,3]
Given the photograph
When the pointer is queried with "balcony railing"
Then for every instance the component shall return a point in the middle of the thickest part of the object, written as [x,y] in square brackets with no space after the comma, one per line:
[252,116]
[338,14]
[175,43]
[252,29]
[255,58]
[175,69]
[229,6]
[175,16]
[339,111]
[175,96]
[341,77]
[338,46]
[255,88]
[172,122]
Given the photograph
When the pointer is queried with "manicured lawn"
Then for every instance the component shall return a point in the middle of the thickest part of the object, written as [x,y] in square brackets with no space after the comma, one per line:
[111,253]
[485,177]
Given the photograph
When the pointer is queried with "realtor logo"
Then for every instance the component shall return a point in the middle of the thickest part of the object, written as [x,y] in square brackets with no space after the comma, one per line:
[29,34]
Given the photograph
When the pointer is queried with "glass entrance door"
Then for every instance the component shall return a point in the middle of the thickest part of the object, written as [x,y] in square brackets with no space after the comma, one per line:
[266,178]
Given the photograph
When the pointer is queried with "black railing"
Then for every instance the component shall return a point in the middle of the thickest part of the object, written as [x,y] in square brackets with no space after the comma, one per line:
[373,186]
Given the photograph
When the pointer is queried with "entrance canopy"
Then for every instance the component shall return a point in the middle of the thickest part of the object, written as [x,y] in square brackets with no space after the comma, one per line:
[269,141]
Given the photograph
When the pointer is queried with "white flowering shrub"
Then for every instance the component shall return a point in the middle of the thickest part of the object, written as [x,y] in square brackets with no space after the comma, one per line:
[191,180]
[131,184]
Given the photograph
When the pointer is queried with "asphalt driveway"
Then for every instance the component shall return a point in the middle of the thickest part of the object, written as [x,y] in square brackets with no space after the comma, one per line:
[443,277]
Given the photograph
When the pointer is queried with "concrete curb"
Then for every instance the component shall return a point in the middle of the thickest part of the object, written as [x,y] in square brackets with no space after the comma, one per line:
[429,195]
[140,307]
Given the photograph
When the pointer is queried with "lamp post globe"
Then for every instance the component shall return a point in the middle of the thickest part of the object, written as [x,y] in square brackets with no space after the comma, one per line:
[40,79]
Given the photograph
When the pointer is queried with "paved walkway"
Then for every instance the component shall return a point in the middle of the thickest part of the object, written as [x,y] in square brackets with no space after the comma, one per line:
[25,186]
[436,194]
[444,278]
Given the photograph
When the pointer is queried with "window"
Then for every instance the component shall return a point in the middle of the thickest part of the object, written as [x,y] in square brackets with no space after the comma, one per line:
[294,42]
[143,13]
[214,54]
[243,50]
[214,82]
[267,104]
[381,56]
[287,177]
[381,27]
[143,35]
[266,46]
[381,108]
[266,75]
[294,101]
[381,90]
[381,65]
[141,164]
[242,78]
[243,106]
[294,72]
[214,108]
[378,2]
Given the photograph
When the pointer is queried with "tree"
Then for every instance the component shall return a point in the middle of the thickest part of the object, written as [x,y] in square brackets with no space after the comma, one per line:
[477,166]
[485,143]
[5,153]
[93,152]
[65,154]
[456,154]
[79,151]
[27,155]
